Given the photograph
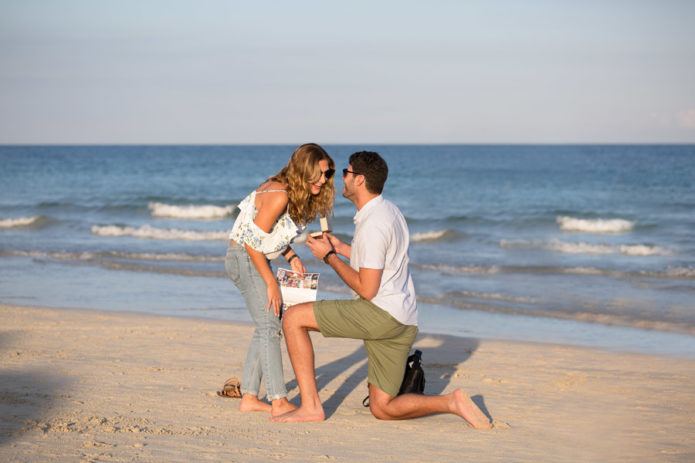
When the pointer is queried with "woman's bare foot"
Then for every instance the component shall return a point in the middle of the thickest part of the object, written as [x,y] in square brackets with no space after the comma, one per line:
[250,403]
[282,406]
[463,406]
[301,414]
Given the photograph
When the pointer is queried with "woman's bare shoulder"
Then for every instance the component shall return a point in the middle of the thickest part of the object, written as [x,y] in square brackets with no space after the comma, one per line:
[274,196]
[271,186]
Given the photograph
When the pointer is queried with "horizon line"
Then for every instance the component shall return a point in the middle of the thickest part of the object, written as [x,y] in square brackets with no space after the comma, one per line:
[68,144]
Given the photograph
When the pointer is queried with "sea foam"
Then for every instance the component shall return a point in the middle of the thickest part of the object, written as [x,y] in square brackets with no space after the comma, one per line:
[594,225]
[149,232]
[190,212]
[680,272]
[644,250]
[435,235]
[20,222]
[113,255]
[457,268]
[168,256]
[50,254]
[580,248]
[588,248]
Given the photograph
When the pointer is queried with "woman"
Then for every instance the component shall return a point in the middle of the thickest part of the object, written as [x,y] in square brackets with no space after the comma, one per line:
[269,219]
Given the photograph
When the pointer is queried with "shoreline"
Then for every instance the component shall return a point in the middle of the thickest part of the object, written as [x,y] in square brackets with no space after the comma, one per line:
[441,320]
[92,385]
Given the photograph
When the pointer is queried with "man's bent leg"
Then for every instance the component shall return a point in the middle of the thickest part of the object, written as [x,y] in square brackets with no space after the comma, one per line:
[297,322]
[386,407]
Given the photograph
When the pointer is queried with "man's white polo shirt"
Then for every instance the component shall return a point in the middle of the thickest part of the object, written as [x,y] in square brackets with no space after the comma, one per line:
[381,242]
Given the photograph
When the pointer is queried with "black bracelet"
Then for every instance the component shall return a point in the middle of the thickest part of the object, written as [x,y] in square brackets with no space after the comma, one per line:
[328,254]
[292,257]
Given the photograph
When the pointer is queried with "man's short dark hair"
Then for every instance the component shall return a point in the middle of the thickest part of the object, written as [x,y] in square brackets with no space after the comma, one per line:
[373,167]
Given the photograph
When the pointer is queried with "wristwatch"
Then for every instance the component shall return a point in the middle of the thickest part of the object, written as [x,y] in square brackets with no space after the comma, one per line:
[328,254]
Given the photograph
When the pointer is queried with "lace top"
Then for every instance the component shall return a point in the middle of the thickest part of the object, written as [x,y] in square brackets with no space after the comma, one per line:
[245,231]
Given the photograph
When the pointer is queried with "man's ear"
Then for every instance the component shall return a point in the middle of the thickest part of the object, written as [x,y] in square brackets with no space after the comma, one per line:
[360,180]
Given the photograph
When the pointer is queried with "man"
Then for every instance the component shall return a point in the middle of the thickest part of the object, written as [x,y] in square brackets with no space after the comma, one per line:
[384,314]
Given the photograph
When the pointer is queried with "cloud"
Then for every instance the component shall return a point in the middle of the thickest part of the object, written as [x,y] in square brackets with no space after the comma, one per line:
[686,119]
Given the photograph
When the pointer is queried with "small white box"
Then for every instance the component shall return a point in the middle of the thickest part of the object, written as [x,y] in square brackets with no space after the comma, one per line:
[325,223]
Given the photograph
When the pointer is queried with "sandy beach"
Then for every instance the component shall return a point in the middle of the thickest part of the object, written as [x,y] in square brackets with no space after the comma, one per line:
[81,385]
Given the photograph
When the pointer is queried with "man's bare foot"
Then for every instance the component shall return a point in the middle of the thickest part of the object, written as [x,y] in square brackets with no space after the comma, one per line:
[250,403]
[301,415]
[282,406]
[464,407]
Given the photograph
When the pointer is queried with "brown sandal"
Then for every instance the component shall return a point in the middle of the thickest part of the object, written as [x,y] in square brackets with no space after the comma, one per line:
[231,389]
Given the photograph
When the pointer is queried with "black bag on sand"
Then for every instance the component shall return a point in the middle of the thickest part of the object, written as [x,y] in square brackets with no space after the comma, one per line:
[413,379]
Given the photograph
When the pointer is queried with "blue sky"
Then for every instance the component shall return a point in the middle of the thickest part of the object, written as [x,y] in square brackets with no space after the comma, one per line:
[164,71]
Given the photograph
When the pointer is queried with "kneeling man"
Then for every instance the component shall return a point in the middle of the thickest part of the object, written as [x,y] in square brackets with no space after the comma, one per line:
[383,314]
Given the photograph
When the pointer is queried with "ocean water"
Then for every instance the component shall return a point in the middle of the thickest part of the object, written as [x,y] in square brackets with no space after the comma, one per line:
[588,245]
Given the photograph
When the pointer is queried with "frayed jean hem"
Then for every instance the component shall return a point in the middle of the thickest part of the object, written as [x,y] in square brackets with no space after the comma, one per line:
[255,394]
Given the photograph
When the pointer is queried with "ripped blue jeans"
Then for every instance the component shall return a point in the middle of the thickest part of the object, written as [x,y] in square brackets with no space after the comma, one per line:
[264,358]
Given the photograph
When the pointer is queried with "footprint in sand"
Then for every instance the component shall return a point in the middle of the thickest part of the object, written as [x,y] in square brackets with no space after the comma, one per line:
[94,443]
[500,425]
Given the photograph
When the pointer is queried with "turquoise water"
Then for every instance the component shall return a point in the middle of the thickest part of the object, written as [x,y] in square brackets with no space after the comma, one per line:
[591,245]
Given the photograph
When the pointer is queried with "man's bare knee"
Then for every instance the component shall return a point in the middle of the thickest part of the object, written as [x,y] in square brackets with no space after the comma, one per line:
[299,316]
[289,320]
[378,411]
[378,403]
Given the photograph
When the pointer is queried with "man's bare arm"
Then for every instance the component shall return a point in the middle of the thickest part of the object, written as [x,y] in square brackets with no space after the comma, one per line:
[365,282]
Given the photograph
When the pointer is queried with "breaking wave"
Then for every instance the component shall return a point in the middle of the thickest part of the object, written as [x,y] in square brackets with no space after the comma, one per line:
[23,222]
[678,272]
[151,256]
[492,297]
[168,256]
[594,225]
[456,268]
[190,212]
[149,232]
[668,273]
[433,236]
[588,248]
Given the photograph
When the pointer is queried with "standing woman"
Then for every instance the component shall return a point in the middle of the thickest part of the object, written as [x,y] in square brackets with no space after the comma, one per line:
[269,219]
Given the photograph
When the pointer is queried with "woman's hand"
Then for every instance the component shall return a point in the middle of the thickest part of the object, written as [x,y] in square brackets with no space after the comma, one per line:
[297,265]
[274,298]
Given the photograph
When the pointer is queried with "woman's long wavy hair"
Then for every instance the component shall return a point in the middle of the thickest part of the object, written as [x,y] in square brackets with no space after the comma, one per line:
[300,172]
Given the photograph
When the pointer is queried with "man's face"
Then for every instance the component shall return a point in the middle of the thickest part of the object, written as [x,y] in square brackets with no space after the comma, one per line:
[349,184]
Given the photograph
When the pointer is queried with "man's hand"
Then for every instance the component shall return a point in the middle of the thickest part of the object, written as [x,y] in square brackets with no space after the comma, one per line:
[339,247]
[364,282]
[319,246]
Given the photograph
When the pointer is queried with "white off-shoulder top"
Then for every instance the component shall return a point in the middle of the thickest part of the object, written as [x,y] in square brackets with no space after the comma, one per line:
[272,244]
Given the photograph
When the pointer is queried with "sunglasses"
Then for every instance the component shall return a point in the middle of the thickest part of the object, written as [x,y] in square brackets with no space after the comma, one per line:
[347,171]
[326,173]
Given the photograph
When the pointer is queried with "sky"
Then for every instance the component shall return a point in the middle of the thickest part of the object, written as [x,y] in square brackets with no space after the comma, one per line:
[228,72]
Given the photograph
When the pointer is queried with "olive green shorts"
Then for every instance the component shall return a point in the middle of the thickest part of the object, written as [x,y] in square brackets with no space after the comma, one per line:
[386,340]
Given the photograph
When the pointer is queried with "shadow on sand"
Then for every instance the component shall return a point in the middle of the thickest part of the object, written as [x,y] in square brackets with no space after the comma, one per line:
[442,357]
[330,371]
[25,396]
